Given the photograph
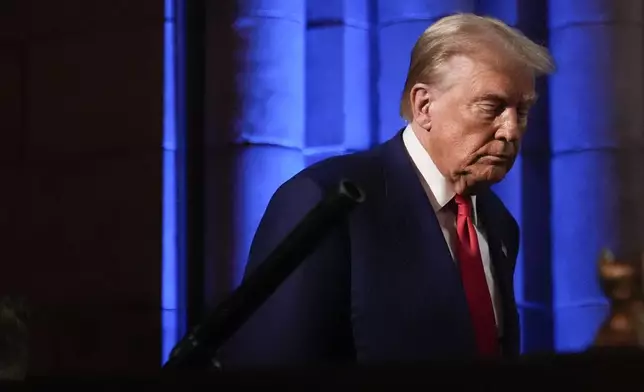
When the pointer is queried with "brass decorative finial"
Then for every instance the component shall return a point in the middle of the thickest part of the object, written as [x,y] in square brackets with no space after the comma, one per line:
[621,282]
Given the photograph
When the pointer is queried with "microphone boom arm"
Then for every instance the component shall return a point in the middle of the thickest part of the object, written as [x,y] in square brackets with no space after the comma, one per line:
[197,349]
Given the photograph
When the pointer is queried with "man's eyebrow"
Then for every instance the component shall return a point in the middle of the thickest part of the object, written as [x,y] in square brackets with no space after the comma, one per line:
[492,97]
[529,99]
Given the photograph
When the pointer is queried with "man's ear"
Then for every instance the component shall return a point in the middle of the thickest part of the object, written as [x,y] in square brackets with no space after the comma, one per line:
[421,99]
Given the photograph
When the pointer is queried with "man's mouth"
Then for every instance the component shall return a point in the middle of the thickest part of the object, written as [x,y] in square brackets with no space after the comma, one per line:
[496,159]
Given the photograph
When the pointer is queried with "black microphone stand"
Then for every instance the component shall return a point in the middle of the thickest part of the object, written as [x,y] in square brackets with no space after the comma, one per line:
[197,350]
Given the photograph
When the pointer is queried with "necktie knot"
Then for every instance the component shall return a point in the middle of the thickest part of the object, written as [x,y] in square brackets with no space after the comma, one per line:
[463,205]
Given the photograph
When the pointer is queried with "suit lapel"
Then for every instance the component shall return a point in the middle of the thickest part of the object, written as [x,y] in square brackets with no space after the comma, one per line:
[409,214]
[434,290]
[498,250]
[503,262]
[497,242]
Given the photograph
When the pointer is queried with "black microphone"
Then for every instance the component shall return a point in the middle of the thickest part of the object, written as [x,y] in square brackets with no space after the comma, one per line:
[197,350]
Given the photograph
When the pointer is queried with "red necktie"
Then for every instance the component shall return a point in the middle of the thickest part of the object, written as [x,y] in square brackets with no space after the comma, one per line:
[473,277]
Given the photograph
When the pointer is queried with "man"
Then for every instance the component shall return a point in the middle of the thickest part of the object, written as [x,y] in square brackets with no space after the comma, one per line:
[424,268]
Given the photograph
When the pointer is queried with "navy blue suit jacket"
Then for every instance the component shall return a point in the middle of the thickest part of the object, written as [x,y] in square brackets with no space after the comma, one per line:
[382,287]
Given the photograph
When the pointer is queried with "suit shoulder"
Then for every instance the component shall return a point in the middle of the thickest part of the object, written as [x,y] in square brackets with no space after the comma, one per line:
[360,167]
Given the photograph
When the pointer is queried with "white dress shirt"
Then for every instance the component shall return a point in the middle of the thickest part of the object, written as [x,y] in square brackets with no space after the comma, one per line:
[440,192]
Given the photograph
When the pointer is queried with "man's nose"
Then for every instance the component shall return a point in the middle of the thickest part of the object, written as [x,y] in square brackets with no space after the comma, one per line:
[511,127]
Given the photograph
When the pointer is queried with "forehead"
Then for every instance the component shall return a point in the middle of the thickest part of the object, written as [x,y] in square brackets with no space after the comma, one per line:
[487,76]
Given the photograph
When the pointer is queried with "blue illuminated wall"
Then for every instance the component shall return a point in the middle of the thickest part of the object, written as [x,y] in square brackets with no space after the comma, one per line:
[318,78]
[597,153]
[173,321]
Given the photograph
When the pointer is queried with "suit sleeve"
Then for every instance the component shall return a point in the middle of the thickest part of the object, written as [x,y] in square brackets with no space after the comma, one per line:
[514,237]
[306,321]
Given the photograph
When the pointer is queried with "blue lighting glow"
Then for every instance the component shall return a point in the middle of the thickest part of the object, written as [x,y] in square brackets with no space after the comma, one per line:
[171,322]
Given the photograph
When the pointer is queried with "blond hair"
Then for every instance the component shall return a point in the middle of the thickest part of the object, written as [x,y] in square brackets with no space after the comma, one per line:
[466,34]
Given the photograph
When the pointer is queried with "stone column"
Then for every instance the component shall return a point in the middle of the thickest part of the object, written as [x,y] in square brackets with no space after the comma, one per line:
[338,77]
[597,154]
[255,126]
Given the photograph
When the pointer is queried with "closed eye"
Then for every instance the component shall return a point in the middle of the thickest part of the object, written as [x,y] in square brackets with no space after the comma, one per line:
[493,109]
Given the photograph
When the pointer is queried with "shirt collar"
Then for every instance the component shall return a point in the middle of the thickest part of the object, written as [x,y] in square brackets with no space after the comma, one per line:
[441,191]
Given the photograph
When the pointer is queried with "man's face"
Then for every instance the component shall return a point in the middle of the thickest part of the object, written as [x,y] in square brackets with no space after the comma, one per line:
[473,126]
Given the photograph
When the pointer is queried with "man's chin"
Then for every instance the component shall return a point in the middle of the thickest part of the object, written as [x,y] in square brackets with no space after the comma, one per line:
[482,177]
[495,174]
